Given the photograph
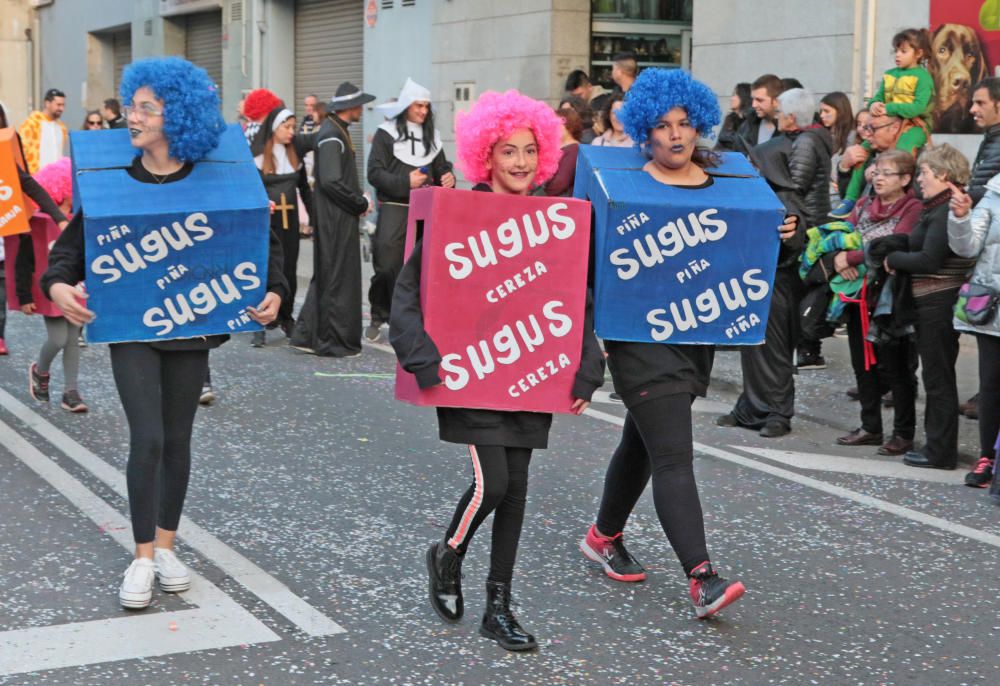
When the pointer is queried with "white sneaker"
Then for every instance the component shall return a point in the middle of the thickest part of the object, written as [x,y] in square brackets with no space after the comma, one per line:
[170,572]
[136,590]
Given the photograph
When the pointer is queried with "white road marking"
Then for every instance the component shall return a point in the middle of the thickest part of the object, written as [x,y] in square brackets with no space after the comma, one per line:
[856,465]
[216,622]
[253,578]
[817,484]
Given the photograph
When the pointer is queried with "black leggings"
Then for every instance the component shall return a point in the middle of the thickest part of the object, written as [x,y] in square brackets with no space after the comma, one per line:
[989,392]
[500,483]
[159,391]
[657,441]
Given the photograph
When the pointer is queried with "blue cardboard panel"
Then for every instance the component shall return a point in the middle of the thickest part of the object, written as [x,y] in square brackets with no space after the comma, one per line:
[175,275]
[680,265]
[178,260]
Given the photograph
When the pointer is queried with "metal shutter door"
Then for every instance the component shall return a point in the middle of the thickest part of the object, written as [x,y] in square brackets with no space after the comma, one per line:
[122,54]
[203,43]
[328,51]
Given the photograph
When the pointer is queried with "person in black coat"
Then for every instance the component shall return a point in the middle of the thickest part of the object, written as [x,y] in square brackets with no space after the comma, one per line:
[500,443]
[406,153]
[159,383]
[986,113]
[937,274]
[767,402]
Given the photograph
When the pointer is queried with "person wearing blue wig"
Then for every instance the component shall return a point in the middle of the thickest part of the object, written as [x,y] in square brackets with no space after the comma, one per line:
[173,120]
[665,112]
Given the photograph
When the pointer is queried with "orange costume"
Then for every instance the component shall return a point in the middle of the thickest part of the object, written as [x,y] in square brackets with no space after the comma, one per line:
[35,131]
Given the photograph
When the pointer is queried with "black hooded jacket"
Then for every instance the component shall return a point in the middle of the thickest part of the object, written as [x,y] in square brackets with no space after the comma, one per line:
[987,164]
[809,168]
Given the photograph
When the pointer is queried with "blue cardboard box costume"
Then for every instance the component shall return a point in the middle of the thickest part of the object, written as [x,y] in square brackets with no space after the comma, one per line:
[179,260]
[675,265]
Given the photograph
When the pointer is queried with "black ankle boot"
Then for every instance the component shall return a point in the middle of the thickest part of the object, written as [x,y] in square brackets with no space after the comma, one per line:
[444,567]
[500,624]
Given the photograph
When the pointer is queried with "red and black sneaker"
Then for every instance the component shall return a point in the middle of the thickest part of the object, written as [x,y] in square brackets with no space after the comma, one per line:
[38,383]
[710,592]
[610,553]
[982,474]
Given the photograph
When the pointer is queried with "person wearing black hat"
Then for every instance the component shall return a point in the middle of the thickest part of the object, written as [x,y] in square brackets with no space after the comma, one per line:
[329,323]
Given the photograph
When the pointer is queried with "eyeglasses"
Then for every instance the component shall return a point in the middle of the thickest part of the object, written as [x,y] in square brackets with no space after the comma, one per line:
[142,112]
[868,128]
[91,122]
[883,172]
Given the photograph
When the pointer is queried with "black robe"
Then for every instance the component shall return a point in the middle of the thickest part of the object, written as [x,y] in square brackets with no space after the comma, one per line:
[330,320]
[281,190]
[390,177]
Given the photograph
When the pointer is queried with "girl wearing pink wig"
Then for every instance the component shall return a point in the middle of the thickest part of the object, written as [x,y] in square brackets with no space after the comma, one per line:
[507,143]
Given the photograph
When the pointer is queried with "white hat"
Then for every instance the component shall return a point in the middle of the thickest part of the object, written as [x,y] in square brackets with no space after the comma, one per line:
[412,92]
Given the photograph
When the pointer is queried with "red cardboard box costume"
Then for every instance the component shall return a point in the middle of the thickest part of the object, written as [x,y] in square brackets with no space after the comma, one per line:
[514,271]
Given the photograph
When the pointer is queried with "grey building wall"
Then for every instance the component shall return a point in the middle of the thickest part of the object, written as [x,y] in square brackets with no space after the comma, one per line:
[397,47]
[66,29]
[844,45]
[480,45]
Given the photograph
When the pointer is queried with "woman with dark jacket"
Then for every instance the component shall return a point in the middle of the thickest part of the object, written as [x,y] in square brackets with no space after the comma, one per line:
[174,122]
[506,143]
[278,154]
[936,275]
[892,211]
[665,112]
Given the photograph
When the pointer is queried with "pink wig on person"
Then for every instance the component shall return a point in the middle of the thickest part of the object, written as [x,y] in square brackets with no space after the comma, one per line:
[57,180]
[495,117]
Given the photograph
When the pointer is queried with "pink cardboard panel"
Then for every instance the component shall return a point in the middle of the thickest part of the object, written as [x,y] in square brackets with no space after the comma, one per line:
[44,233]
[503,292]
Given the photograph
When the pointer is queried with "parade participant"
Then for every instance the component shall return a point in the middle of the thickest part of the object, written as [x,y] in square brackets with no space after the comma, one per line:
[406,154]
[906,92]
[278,155]
[33,190]
[664,112]
[174,122]
[43,133]
[256,106]
[506,144]
[62,335]
[330,319]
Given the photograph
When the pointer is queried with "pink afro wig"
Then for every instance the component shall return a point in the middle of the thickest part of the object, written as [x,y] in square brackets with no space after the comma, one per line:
[57,180]
[496,116]
[259,103]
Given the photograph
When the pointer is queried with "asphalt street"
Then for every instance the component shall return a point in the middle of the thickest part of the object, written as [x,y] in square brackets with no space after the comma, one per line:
[314,495]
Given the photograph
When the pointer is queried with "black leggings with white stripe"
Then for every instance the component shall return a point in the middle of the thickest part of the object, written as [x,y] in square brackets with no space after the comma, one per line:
[500,484]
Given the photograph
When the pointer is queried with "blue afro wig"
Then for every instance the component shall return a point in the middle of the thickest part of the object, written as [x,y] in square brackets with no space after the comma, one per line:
[192,122]
[657,91]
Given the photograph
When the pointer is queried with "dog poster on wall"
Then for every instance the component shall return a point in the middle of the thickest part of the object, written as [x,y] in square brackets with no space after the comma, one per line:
[965,48]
